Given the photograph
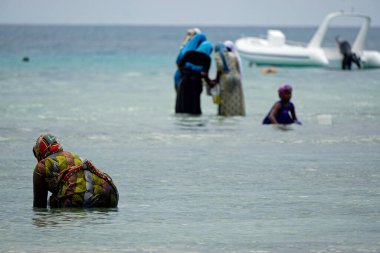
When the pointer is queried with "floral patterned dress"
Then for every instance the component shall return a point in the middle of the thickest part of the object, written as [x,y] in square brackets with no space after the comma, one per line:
[76,183]
[231,90]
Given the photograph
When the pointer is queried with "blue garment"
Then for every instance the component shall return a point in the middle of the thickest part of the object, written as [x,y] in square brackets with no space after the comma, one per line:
[193,67]
[192,44]
[206,48]
[283,116]
[191,84]
[221,49]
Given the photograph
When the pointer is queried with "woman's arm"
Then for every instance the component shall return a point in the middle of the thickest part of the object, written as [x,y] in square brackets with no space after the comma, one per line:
[210,83]
[294,117]
[293,113]
[40,191]
[274,112]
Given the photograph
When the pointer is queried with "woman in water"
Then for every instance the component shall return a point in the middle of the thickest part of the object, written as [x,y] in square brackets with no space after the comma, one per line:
[283,111]
[72,181]
[228,77]
[193,39]
[194,66]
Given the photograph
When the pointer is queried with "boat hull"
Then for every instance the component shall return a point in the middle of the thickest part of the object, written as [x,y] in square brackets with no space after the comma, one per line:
[275,51]
[261,54]
[299,56]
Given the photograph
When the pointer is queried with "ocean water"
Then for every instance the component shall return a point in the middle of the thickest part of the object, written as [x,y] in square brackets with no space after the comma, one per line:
[187,184]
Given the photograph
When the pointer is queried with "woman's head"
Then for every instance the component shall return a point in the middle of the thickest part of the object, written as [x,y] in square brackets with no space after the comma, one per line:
[190,34]
[230,46]
[193,31]
[285,91]
[220,47]
[46,145]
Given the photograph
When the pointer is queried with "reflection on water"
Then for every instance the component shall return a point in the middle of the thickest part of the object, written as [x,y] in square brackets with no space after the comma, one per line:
[71,217]
[190,121]
[207,122]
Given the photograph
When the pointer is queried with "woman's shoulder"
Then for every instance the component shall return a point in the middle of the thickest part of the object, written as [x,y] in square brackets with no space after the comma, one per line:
[277,105]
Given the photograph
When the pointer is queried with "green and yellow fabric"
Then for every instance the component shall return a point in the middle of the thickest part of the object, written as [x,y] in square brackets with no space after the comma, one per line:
[76,183]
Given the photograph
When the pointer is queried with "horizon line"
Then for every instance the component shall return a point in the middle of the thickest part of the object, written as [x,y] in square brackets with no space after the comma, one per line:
[176,25]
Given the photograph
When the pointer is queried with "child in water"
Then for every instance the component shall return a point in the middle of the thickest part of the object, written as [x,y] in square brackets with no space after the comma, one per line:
[279,114]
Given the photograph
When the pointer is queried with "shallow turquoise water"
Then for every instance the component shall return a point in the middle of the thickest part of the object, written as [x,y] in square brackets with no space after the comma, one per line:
[187,184]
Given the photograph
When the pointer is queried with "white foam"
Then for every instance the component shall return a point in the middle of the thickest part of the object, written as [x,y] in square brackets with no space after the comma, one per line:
[133,74]
[99,137]
[324,119]
[4,138]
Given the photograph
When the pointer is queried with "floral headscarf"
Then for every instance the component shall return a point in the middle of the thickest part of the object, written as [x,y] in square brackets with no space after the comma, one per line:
[46,145]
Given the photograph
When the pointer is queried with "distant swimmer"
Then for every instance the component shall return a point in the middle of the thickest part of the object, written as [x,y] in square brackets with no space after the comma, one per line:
[25,59]
[72,181]
[283,111]
[270,70]
[348,55]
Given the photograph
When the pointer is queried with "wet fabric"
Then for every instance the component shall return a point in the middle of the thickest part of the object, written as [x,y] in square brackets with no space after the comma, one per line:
[231,90]
[283,116]
[188,96]
[192,44]
[81,187]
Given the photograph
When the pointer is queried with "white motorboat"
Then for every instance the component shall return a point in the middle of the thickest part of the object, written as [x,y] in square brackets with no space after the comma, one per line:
[275,51]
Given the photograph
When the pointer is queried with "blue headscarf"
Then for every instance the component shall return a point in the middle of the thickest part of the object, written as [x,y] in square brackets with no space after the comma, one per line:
[192,44]
[221,49]
[205,47]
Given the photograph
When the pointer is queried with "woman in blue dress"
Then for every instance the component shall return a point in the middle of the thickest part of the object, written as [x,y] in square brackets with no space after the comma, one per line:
[283,111]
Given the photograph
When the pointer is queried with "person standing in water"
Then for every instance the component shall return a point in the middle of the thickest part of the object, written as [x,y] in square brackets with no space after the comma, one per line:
[194,67]
[348,55]
[228,77]
[283,111]
[72,181]
[188,44]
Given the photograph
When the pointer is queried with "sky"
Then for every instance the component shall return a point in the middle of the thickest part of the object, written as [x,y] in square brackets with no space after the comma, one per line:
[180,12]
